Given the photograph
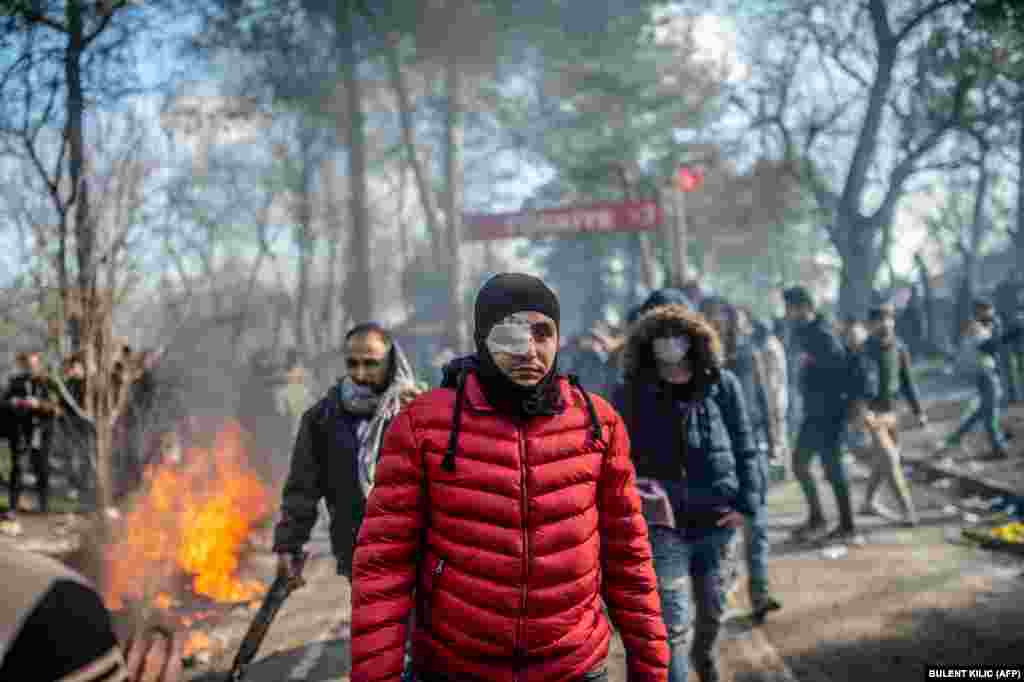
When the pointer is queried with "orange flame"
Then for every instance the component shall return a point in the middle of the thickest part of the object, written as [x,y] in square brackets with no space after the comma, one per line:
[192,518]
[197,641]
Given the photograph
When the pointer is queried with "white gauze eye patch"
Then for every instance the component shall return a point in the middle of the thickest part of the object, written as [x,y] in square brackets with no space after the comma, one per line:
[671,350]
[512,335]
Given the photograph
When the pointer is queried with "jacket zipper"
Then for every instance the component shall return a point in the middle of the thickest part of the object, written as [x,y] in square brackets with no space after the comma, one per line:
[428,603]
[518,653]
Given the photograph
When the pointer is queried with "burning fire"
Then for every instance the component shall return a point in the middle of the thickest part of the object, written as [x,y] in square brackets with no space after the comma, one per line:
[164,601]
[197,641]
[192,519]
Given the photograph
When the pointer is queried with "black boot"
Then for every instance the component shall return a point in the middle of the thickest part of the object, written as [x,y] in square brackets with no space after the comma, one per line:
[702,656]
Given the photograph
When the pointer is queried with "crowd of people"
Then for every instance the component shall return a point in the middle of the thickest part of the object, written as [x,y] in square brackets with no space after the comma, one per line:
[551,490]
[45,420]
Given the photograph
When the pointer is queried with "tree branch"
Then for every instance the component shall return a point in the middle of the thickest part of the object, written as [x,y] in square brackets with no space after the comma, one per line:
[925,12]
[33,16]
[834,49]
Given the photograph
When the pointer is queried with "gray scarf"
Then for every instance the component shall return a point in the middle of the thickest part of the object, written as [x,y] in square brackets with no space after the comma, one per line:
[381,408]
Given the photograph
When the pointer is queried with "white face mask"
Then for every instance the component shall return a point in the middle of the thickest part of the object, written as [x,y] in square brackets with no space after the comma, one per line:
[670,350]
[512,335]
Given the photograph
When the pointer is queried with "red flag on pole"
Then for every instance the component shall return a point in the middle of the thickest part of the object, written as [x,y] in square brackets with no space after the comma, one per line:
[689,179]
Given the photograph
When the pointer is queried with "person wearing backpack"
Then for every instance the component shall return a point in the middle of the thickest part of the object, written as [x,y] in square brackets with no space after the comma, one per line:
[698,471]
[505,510]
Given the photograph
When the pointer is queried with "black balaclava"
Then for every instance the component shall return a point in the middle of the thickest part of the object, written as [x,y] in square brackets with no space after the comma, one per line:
[500,297]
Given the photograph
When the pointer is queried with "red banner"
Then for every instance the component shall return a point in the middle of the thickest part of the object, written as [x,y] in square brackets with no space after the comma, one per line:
[628,216]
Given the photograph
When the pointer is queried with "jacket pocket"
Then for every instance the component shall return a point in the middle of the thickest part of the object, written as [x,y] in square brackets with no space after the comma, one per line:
[431,584]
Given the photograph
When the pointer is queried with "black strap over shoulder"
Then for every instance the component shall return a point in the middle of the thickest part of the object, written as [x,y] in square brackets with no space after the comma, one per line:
[595,424]
[448,464]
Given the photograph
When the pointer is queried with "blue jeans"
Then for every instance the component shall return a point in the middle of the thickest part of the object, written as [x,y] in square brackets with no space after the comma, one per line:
[989,413]
[755,535]
[688,566]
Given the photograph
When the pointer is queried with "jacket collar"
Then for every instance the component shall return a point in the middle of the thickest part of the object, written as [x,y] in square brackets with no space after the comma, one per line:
[477,400]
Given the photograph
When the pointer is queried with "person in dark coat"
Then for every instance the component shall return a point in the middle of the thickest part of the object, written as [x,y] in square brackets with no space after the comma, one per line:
[336,447]
[33,399]
[825,381]
[698,471]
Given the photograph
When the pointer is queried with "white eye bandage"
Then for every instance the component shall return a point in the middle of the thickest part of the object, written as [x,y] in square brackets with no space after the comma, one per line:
[671,350]
[512,335]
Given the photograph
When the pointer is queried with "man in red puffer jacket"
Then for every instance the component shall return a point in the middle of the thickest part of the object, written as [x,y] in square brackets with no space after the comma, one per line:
[505,509]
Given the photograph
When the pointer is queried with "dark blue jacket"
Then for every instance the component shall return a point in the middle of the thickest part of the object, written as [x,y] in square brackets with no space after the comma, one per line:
[324,465]
[723,470]
[825,377]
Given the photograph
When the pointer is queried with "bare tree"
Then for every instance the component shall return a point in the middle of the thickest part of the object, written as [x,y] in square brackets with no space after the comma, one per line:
[860,74]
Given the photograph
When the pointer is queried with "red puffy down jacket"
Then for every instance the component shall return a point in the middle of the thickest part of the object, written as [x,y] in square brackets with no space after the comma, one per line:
[509,554]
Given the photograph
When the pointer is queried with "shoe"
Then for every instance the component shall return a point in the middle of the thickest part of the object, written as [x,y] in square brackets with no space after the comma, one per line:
[844,536]
[811,528]
[875,508]
[708,673]
[763,605]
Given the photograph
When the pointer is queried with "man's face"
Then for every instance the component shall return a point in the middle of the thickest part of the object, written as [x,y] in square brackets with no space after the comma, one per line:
[76,370]
[798,312]
[529,367]
[35,363]
[984,314]
[884,327]
[366,359]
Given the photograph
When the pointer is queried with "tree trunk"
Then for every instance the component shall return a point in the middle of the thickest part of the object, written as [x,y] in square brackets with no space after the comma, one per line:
[453,200]
[360,294]
[648,260]
[979,222]
[426,193]
[861,259]
[978,228]
[632,268]
[64,285]
[95,322]
[1018,235]
[304,242]
[329,308]
[931,332]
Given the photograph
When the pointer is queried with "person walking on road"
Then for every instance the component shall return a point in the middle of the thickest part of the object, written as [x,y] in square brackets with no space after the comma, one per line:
[699,473]
[505,509]
[759,362]
[337,446]
[888,372]
[977,361]
[825,378]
